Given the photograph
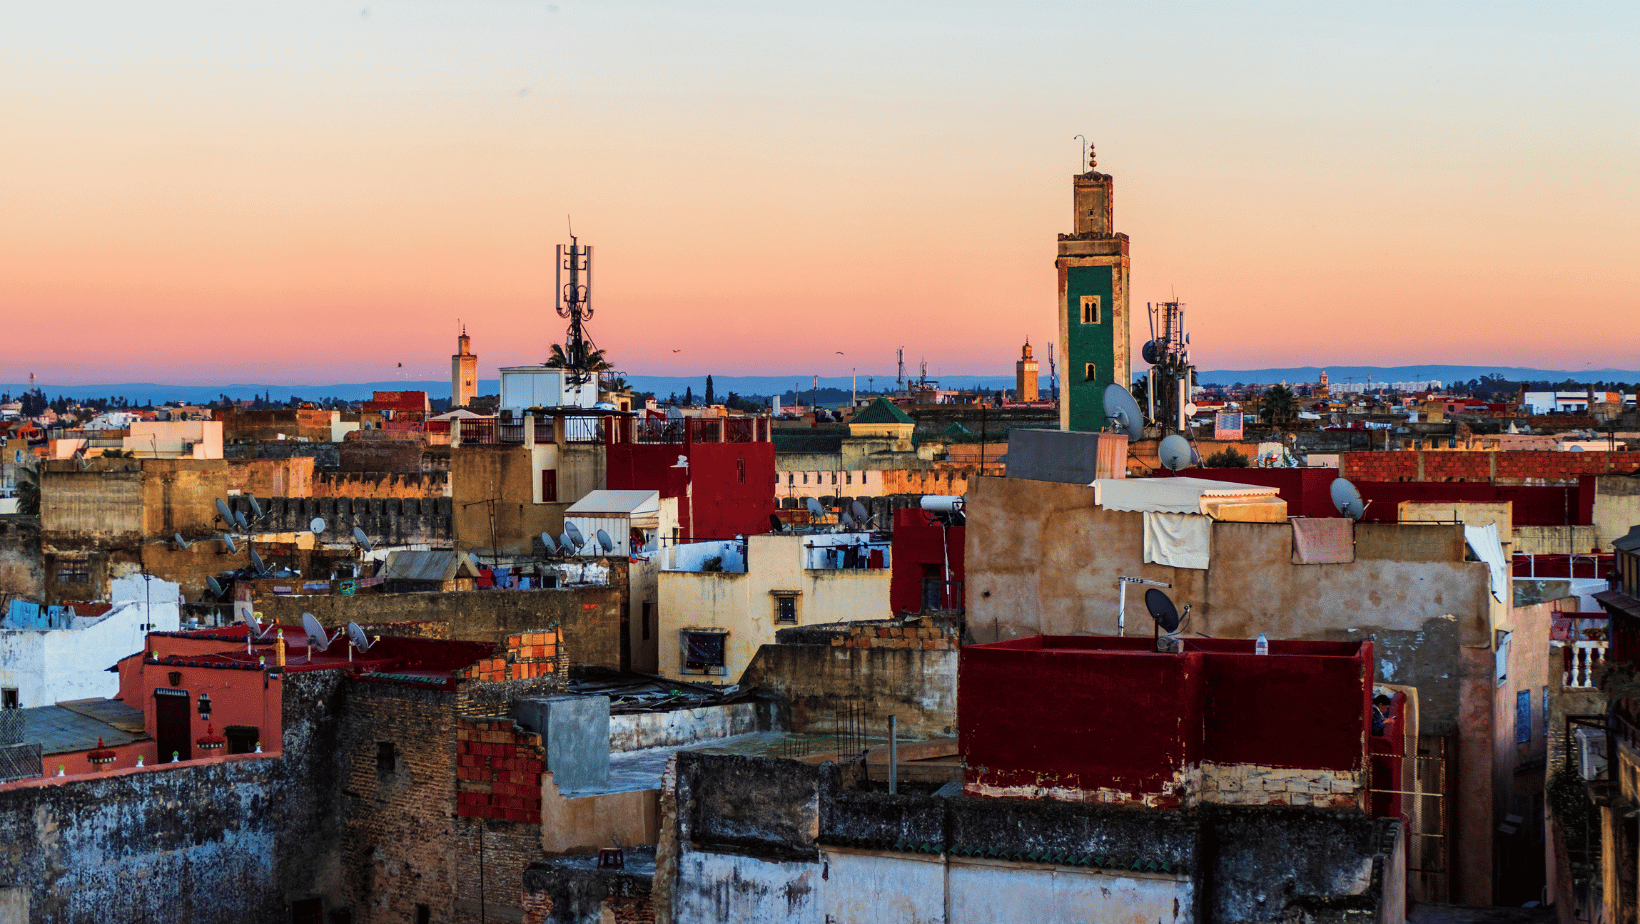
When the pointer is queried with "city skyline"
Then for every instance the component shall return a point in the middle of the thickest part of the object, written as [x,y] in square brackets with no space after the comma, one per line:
[309,193]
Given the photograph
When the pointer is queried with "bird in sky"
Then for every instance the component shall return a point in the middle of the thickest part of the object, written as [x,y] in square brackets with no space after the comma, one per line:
[677,351]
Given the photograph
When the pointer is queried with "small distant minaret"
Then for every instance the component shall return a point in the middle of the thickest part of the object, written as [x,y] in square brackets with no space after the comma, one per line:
[463,373]
[1321,390]
[1025,376]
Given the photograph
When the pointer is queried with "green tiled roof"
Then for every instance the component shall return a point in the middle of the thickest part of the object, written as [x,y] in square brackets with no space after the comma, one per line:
[796,439]
[881,411]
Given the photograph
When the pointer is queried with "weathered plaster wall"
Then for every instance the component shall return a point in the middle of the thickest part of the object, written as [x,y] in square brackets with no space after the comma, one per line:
[1616,508]
[22,567]
[817,682]
[589,618]
[641,730]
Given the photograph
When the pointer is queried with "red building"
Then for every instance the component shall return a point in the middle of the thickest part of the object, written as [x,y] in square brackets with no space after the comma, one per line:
[924,553]
[1096,719]
[396,410]
[721,470]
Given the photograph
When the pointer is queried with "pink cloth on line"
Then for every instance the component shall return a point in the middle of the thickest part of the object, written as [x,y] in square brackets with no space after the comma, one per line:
[1323,540]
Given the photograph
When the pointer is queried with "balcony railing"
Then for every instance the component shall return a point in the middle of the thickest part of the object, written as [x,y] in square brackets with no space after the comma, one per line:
[1582,661]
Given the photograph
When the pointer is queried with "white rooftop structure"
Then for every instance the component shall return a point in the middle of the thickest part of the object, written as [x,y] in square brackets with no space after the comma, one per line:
[1173,495]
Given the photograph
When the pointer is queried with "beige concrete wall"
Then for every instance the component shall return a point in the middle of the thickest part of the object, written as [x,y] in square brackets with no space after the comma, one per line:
[1616,508]
[1467,513]
[745,603]
[152,438]
[586,823]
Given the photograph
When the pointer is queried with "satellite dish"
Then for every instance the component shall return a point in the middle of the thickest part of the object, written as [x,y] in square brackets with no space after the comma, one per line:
[226,514]
[565,544]
[1123,412]
[227,540]
[1347,499]
[1175,452]
[1162,610]
[1574,448]
[256,560]
[357,637]
[847,519]
[605,542]
[1151,351]
[215,585]
[318,638]
[776,525]
[1191,409]
[860,515]
[360,538]
[574,534]
[317,525]
[244,523]
[252,624]
[181,542]
[549,545]
[816,512]
[256,508]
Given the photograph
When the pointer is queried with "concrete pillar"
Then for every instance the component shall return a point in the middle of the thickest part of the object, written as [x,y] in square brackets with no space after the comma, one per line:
[529,429]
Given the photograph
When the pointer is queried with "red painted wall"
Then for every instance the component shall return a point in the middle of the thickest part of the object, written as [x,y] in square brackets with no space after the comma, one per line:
[918,541]
[1307,492]
[724,505]
[1088,712]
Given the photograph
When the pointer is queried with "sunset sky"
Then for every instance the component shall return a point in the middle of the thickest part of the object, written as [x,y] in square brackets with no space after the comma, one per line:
[308,193]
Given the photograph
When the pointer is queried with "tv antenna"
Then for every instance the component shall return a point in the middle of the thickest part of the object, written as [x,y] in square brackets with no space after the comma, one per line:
[317,636]
[1084,151]
[1121,598]
[1168,619]
[1123,412]
[1347,499]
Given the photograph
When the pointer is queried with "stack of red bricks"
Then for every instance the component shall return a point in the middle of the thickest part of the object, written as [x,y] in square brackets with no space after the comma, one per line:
[498,771]
[1510,466]
[529,655]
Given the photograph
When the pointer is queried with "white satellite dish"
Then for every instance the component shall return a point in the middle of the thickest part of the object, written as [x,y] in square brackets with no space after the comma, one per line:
[816,512]
[181,542]
[357,637]
[574,534]
[860,515]
[361,539]
[318,638]
[1175,452]
[225,513]
[256,560]
[317,525]
[564,543]
[846,519]
[256,508]
[227,541]
[549,545]
[252,624]
[1123,412]
[605,542]
[1347,499]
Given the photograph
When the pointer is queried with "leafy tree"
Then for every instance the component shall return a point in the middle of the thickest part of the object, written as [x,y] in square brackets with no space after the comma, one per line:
[28,491]
[594,361]
[1140,391]
[736,403]
[1227,458]
[1279,406]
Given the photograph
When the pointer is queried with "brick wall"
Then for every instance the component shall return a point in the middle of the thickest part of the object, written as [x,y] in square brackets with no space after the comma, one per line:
[916,633]
[381,484]
[498,767]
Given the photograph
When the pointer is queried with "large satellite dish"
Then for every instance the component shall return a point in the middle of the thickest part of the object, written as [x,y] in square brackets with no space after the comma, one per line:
[776,525]
[569,547]
[181,542]
[860,515]
[216,587]
[549,545]
[1162,610]
[357,637]
[1175,452]
[318,639]
[256,508]
[1123,412]
[606,543]
[256,560]
[1151,351]
[816,512]
[1347,499]
[846,519]
[225,513]
[574,534]
[252,624]
[360,538]
[227,542]
[317,525]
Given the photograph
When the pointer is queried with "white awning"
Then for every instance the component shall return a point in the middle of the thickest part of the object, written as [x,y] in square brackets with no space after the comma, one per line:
[1171,495]
[616,503]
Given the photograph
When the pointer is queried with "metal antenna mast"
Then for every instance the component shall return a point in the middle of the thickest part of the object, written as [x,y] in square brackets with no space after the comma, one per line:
[899,383]
[574,301]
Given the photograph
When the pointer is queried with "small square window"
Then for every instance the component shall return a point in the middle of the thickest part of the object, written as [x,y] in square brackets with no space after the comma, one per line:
[785,610]
[9,698]
[704,650]
[1090,309]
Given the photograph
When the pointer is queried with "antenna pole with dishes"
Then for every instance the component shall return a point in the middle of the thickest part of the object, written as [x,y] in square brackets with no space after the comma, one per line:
[1168,353]
[574,301]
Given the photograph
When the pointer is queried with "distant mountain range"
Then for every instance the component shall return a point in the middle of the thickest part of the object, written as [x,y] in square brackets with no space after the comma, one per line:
[747,385]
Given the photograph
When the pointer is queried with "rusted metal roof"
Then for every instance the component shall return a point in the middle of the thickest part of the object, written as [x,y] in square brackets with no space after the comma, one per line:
[427,566]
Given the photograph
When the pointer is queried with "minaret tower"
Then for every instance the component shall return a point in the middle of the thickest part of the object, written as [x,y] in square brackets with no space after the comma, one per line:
[463,372]
[1025,375]
[1093,302]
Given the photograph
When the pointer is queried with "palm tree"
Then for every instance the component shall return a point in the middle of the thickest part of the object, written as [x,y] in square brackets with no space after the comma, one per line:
[595,361]
[1279,406]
